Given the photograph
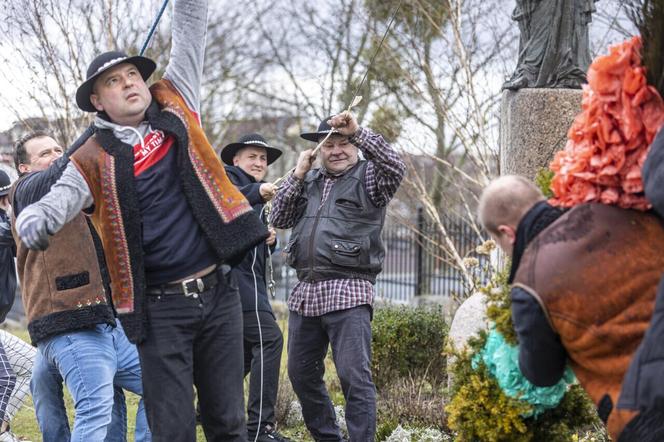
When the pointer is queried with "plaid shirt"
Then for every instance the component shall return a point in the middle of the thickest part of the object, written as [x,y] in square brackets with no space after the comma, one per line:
[383,176]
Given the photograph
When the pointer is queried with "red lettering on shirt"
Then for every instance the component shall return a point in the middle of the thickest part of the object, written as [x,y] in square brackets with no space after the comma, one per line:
[155,147]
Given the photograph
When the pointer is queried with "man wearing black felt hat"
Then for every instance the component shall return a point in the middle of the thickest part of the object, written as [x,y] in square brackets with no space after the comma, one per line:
[172,224]
[337,213]
[247,162]
[5,187]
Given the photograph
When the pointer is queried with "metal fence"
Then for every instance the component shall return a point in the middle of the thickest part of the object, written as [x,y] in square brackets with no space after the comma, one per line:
[415,262]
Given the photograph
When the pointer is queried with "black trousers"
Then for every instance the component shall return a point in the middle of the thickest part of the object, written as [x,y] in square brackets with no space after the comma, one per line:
[349,334]
[194,341]
[272,345]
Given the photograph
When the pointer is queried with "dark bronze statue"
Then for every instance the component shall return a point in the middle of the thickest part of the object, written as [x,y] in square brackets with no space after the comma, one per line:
[554,46]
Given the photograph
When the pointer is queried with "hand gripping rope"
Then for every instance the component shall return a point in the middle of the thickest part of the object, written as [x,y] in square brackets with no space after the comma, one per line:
[356,97]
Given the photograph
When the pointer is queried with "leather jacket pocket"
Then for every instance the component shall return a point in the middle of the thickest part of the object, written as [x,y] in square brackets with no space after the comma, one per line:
[346,253]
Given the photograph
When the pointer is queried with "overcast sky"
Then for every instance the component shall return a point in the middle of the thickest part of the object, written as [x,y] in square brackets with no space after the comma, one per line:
[607,27]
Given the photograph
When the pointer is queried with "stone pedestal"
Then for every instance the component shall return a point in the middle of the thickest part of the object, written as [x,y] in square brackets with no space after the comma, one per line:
[533,126]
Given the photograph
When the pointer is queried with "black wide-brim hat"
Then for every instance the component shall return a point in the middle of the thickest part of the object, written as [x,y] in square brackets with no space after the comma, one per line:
[323,130]
[101,64]
[256,140]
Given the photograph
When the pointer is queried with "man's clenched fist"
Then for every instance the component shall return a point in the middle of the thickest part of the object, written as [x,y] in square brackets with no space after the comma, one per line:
[33,232]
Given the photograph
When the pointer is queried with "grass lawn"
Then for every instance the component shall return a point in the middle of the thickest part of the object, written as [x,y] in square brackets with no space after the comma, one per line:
[25,425]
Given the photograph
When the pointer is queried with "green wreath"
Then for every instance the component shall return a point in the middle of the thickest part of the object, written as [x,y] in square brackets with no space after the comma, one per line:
[490,400]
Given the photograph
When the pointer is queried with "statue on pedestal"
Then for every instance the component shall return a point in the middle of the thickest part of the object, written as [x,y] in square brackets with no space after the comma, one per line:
[554,45]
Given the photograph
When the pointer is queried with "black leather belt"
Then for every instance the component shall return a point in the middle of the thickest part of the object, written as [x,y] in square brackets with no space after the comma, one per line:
[189,287]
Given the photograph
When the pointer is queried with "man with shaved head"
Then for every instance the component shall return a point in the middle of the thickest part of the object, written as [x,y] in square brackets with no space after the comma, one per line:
[502,205]
[583,288]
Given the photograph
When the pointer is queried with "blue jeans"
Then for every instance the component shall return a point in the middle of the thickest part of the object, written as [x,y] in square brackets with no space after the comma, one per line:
[92,363]
[48,399]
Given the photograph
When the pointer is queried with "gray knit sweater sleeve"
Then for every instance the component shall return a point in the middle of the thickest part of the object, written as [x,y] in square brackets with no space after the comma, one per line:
[185,67]
[67,197]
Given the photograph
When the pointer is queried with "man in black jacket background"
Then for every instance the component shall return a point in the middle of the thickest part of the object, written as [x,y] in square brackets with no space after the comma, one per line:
[246,166]
[8,283]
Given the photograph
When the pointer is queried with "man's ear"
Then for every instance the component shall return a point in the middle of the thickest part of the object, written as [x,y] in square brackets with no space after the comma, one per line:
[23,168]
[508,232]
[94,99]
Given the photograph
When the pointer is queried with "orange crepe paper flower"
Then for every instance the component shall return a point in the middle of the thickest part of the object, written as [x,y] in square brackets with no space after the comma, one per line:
[609,140]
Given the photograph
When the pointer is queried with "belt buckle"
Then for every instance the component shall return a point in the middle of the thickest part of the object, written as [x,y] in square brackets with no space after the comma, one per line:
[199,285]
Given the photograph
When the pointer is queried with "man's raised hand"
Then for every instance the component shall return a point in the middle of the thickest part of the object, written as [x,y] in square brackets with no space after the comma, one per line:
[345,123]
[267,191]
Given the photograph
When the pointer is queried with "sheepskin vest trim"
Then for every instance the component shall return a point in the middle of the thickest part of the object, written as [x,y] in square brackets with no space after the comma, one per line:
[224,215]
[595,271]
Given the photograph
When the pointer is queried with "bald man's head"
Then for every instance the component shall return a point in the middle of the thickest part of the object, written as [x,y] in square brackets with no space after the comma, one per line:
[502,205]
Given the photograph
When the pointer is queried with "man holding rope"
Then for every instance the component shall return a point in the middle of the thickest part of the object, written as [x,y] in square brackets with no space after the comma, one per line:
[247,162]
[337,214]
[171,223]
[70,317]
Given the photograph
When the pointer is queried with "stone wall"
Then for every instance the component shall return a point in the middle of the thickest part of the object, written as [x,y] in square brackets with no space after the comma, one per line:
[533,126]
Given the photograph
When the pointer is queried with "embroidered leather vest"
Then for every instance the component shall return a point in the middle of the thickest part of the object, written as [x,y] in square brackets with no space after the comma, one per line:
[62,287]
[224,215]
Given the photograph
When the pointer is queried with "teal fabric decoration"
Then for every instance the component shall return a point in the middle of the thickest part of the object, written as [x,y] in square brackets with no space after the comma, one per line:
[502,361]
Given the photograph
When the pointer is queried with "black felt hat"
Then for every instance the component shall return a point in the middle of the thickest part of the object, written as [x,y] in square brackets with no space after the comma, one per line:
[5,183]
[323,130]
[229,151]
[101,64]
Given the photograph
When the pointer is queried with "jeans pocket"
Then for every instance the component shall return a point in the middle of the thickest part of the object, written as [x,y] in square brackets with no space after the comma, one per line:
[53,348]
[227,277]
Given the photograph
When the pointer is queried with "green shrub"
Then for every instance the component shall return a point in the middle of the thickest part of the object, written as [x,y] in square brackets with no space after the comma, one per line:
[408,343]
[575,412]
[385,427]
[478,409]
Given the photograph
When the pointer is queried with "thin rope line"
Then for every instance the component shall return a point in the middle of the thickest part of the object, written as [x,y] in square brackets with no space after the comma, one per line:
[153,28]
[373,57]
[357,90]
